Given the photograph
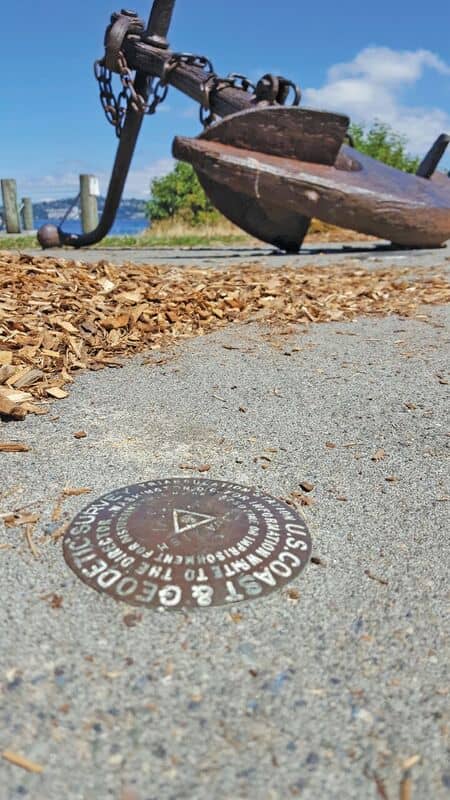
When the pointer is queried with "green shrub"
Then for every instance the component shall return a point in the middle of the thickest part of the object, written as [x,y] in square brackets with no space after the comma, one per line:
[381,142]
[179,194]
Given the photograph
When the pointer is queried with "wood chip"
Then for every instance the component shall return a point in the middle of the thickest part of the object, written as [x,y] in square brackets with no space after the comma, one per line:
[381,789]
[32,408]
[26,377]
[59,533]
[80,435]
[14,447]
[11,401]
[318,562]
[57,509]
[61,316]
[113,323]
[55,391]
[66,326]
[376,578]
[16,520]
[54,600]
[379,455]
[306,486]
[6,372]
[406,788]
[69,492]
[129,794]
[21,761]
[411,762]
[298,499]
[132,618]
[29,537]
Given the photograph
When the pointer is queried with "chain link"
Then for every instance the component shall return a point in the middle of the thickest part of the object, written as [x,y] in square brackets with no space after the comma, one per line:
[275,90]
[187,59]
[215,84]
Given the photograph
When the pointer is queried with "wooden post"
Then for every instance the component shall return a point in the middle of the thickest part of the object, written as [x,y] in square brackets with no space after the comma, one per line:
[27,214]
[88,200]
[10,208]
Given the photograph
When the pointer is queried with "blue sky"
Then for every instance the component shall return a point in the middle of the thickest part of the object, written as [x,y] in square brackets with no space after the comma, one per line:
[387,59]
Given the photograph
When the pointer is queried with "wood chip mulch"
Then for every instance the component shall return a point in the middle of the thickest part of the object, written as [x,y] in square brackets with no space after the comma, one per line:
[58,317]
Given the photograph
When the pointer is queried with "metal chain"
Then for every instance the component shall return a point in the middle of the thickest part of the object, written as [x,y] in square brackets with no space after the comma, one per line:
[116,106]
[108,100]
[211,81]
[187,59]
[215,84]
[130,97]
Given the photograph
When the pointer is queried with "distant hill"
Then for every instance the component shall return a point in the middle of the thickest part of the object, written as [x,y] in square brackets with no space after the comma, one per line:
[129,208]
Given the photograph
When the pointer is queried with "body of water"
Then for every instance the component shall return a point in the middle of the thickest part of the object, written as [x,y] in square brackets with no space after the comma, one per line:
[120,227]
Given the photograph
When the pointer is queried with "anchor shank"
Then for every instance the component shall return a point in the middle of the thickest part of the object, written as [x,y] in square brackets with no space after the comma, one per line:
[119,175]
[185,78]
[124,154]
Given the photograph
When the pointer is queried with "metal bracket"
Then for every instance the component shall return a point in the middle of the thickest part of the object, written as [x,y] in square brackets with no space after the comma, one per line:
[121,25]
[274,89]
[428,166]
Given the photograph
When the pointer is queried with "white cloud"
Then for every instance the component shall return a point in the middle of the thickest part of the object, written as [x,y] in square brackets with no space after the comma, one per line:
[138,181]
[65,184]
[370,87]
[389,67]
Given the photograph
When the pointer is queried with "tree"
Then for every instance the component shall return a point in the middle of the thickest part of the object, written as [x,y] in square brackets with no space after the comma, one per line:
[179,194]
[381,142]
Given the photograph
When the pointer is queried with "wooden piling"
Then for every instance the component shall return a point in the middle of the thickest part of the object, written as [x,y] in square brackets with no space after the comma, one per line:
[88,201]
[10,207]
[27,214]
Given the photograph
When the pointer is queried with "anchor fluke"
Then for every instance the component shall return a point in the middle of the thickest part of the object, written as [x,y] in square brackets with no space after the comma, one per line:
[257,135]
[271,170]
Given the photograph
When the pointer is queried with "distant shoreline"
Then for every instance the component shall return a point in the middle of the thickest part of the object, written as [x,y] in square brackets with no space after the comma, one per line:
[122,226]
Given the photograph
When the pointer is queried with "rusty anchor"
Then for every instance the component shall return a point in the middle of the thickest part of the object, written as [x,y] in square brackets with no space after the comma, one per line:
[267,166]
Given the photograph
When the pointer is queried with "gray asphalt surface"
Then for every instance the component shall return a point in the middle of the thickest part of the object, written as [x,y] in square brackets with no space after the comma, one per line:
[321,696]
[375,254]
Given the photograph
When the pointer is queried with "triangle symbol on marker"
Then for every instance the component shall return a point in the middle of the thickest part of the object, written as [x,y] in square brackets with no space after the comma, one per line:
[188,520]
